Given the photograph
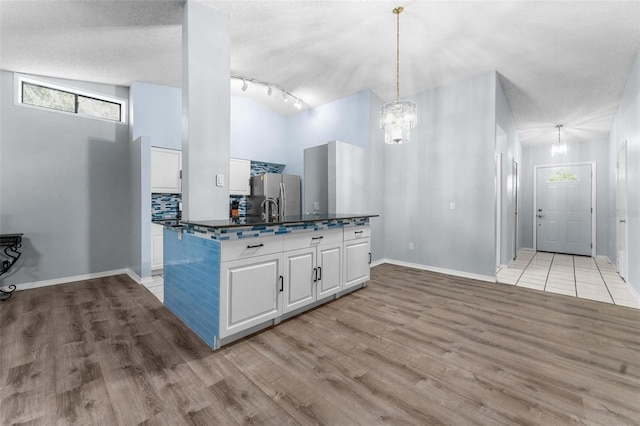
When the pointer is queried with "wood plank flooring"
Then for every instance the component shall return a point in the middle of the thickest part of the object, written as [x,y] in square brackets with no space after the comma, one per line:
[413,348]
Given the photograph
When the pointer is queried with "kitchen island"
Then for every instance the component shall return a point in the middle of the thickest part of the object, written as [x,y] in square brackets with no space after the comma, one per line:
[226,279]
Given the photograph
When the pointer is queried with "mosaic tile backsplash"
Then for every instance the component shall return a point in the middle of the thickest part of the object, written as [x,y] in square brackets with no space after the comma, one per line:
[164,206]
[257,168]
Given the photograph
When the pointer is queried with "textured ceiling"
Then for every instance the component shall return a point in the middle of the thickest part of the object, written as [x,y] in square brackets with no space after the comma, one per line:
[559,61]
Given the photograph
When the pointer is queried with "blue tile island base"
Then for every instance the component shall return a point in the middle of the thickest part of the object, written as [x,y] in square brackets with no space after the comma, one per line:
[193,262]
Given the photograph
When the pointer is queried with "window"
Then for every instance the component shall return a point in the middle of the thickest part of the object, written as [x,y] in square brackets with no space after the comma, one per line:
[42,94]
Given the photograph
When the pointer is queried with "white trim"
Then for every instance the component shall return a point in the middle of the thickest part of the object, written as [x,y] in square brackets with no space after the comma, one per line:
[17,98]
[487,278]
[594,181]
[66,280]
[377,262]
[137,278]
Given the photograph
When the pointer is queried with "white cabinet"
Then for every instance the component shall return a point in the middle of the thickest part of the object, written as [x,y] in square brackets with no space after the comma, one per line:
[299,278]
[329,269]
[251,283]
[156,247]
[239,177]
[263,278]
[357,256]
[166,168]
[312,267]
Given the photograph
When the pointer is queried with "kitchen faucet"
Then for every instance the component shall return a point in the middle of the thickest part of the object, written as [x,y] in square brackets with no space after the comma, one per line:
[266,213]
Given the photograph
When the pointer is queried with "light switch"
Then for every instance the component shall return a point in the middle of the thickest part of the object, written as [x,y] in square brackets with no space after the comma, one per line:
[452,206]
[316,206]
[219,180]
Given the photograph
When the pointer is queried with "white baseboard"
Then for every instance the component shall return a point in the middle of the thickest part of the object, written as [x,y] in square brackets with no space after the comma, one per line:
[453,272]
[137,278]
[65,280]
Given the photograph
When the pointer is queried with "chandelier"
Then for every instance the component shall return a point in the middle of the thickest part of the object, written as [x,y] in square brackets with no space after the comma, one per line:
[561,147]
[397,118]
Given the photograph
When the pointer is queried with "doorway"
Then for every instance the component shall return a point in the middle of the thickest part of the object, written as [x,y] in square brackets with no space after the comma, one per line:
[621,212]
[564,219]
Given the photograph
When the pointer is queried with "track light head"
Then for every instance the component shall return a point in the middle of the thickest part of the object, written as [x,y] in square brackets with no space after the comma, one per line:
[244,85]
[269,90]
[284,96]
[298,104]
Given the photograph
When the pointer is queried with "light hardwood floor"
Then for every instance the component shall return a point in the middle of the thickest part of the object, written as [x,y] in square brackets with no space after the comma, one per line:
[412,348]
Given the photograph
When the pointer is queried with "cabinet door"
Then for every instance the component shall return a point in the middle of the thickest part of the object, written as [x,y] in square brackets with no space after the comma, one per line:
[239,175]
[299,278]
[165,170]
[356,262]
[329,269]
[156,247]
[250,292]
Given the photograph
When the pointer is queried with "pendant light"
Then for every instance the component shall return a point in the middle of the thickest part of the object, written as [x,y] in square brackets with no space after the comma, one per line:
[397,118]
[561,147]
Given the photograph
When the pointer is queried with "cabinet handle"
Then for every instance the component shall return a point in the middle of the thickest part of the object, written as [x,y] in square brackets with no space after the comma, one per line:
[281,283]
[369,258]
[317,238]
[315,275]
[358,232]
[256,246]
[319,273]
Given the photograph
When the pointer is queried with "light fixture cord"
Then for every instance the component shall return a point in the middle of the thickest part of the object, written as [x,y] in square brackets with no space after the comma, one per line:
[398,57]
[559,126]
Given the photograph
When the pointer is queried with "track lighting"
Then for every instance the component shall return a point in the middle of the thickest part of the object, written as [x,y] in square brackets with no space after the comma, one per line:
[297,103]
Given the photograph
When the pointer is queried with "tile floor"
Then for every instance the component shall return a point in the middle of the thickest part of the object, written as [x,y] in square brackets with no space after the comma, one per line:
[156,287]
[579,276]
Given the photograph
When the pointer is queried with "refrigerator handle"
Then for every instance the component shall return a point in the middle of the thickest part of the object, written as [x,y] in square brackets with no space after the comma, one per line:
[283,199]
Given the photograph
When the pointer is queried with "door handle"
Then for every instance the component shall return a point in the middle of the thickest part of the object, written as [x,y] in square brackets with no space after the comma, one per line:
[540,215]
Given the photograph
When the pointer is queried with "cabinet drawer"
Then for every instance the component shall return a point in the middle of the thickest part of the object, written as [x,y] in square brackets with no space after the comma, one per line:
[250,247]
[357,232]
[312,239]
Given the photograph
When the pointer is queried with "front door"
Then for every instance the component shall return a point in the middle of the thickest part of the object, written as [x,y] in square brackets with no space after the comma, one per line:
[564,209]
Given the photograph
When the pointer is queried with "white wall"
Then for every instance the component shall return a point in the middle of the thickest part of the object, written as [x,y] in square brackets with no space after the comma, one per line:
[626,127]
[450,159]
[257,133]
[65,184]
[345,119]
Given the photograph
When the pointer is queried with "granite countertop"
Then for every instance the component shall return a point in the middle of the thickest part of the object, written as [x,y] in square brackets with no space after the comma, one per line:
[171,223]
[257,220]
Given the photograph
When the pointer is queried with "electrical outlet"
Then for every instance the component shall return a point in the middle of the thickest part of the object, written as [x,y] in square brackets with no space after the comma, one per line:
[452,205]
[411,246]
[316,206]
[219,180]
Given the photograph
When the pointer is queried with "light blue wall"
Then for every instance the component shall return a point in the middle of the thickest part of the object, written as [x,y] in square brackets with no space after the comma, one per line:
[157,113]
[626,127]
[65,184]
[346,120]
[540,155]
[257,133]
[451,159]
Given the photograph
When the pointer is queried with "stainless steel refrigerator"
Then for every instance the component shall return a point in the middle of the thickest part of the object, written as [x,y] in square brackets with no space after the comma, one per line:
[275,192]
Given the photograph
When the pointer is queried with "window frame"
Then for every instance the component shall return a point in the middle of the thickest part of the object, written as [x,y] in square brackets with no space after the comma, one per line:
[22,79]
